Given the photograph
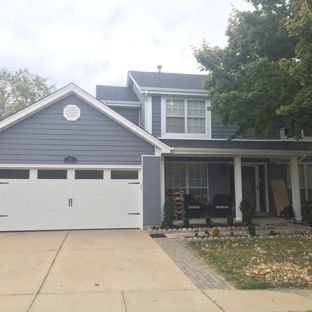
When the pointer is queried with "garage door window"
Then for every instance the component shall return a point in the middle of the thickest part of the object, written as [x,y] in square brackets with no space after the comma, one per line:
[124,174]
[89,174]
[52,174]
[14,174]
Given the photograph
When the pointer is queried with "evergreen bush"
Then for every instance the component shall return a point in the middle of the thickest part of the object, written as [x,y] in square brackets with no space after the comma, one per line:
[244,207]
[208,220]
[186,223]
[168,213]
[230,220]
[251,230]
[306,213]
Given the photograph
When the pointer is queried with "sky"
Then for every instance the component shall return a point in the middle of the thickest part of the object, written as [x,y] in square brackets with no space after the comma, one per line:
[90,42]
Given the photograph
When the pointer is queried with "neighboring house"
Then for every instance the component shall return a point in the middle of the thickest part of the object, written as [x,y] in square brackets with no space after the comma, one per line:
[72,162]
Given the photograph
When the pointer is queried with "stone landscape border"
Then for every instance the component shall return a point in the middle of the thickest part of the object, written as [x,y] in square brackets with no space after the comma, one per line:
[240,232]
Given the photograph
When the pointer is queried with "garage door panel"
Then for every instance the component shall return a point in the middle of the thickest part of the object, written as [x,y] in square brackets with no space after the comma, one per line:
[36,204]
[52,206]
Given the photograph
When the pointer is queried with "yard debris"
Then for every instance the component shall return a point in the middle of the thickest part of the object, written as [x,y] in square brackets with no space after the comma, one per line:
[278,273]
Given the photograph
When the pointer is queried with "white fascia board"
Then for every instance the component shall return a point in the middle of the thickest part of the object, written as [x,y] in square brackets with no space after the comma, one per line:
[122,103]
[238,152]
[129,75]
[73,89]
[174,91]
[69,166]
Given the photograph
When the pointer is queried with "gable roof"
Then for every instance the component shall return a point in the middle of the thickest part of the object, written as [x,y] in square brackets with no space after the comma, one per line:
[73,89]
[112,93]
[158,81]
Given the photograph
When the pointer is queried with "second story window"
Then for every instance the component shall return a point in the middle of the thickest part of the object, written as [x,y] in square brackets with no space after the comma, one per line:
[185,116]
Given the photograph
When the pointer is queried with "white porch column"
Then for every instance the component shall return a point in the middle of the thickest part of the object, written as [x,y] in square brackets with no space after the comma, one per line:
[295,187]
[238,186]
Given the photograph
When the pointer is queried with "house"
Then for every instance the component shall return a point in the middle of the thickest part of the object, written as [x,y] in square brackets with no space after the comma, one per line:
[72,161]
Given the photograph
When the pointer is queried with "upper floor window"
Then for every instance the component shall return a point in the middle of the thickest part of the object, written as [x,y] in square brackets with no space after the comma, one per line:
[305,135]
[185,117]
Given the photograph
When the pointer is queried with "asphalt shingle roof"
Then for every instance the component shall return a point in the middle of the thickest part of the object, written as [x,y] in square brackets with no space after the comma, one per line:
[168,80]
[253,145]
[111,93]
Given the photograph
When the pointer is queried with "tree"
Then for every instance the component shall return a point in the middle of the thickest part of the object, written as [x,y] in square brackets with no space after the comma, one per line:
[20,89]
[262,80]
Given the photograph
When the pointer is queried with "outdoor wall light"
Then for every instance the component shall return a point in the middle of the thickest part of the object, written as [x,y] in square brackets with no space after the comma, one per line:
[295,221]
[223,170]
[196,232]
[272,230]
[232,232]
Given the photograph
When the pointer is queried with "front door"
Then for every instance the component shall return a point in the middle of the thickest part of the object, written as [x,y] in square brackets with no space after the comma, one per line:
[249,185]
[253,185]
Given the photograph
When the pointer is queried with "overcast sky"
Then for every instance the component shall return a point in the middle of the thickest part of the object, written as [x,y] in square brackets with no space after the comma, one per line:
[91,42]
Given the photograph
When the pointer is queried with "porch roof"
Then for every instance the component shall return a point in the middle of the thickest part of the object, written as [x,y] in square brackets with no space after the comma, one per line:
[241,147]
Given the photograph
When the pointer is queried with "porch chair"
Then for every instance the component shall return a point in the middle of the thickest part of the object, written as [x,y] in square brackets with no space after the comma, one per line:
[194,208]
[222,205]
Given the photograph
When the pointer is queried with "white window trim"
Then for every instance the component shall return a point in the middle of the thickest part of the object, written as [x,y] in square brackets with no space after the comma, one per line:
[306,188]
[284,137]
[187,186]
[185,135]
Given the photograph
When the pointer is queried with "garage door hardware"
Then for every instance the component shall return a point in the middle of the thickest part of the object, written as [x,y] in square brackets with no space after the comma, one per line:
[134,213]
[134,182]
[70,202]
[4,182]
[3,216]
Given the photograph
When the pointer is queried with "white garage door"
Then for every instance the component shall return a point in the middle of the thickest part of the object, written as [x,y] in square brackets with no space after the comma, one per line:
[70,199]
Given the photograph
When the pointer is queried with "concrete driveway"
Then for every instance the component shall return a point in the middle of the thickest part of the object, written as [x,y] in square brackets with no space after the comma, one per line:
[92,271]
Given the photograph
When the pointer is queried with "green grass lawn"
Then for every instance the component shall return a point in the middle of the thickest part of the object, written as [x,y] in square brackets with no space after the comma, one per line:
[260,263]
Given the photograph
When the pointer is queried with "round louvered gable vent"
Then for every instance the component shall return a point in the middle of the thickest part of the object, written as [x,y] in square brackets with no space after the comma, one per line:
[71,112]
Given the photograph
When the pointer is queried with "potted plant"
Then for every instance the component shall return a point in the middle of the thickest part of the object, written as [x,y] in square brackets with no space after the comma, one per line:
[288,212]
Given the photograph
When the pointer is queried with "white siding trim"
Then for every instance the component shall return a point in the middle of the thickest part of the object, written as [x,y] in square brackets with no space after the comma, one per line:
[69,166]
[148,112]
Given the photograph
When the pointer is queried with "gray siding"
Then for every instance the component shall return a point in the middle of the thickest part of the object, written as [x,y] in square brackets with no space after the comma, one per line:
[156,116]
[142,100]
[217,183]
[151,190]
[130,113]
[219,131]
[275,172]
[47,137]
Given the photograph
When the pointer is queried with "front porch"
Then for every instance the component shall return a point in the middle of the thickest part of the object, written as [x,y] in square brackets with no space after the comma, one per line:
[238,177]
[256,221]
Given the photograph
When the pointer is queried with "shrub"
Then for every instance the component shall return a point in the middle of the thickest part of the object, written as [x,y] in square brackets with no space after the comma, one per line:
[186,223]
[168,212]
[306,212]
[208,220]
[244,207]
[251,230]
[288,212]
[230,220]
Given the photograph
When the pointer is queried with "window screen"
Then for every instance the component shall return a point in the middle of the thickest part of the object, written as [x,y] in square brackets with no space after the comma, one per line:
[124,174]
[14,174]
[52,174]
[89,174]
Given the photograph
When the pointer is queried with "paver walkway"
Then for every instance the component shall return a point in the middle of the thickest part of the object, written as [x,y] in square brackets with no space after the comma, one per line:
[199,273]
